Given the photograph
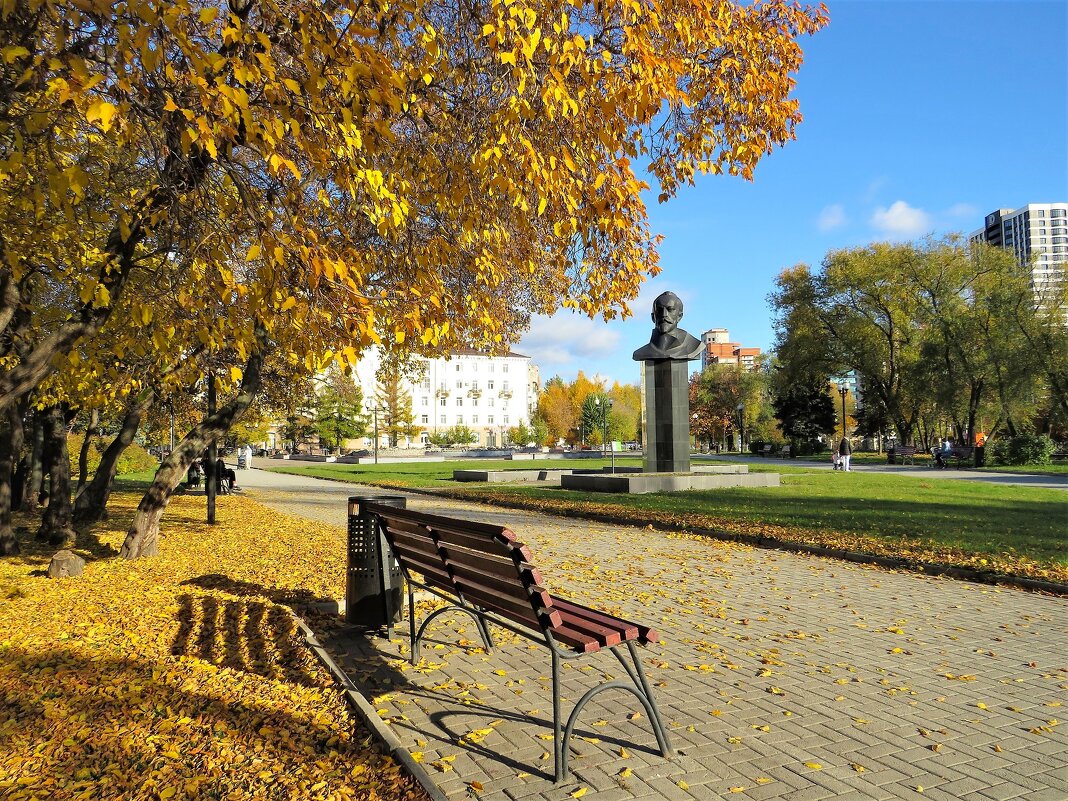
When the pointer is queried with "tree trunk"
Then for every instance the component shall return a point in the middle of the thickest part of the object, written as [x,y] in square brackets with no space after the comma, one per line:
[10,445]
[56,520]
[143,536]
[91,504]
[33,466]
[91,431]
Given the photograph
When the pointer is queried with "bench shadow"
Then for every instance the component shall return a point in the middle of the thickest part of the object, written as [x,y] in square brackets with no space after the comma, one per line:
[245,633]
[371,664]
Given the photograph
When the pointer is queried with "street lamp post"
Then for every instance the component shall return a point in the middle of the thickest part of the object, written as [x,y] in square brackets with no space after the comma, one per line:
[843,390]
[693,427]
[375,410]
[741,427]
[607,407]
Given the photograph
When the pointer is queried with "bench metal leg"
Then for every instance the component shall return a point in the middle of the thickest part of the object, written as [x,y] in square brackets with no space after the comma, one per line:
[638,686]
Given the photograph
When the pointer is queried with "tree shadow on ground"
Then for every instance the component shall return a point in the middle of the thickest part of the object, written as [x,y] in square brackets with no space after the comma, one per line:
[121,714]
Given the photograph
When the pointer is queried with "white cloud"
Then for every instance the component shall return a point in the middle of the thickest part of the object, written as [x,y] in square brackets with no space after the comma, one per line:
[963,211]
[831,217]
[901,219]
[566,337]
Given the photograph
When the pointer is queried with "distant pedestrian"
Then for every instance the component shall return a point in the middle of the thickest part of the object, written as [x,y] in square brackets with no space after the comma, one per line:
[845,451]
[248,457]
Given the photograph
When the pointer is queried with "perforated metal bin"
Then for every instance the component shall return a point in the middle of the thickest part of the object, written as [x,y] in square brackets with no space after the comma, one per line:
[373,583]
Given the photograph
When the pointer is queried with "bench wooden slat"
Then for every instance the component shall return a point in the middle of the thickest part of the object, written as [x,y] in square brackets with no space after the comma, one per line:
[578,640]
[629,631]
[502,566]
[494,543]
[432,521]
[508,585]
[421,544]
[518,611]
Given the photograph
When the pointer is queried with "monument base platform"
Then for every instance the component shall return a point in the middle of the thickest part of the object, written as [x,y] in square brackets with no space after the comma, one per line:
[640,483]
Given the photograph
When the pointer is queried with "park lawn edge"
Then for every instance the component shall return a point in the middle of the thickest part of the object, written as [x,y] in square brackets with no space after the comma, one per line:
[898,553]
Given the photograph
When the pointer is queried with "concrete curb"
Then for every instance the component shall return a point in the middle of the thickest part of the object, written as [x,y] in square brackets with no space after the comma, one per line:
[366,712]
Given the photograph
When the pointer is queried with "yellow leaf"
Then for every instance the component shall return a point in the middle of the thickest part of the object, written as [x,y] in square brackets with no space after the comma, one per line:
[103,112]
[476,786]
[207,15]
[625,773]
[682,785]
[253,253]
[169,792]
[814,765]
[857,768]
[417,756]
[737,789]
[579,792]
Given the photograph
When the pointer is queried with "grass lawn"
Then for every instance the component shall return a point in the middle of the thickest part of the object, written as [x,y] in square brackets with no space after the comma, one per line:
[180,676]
[1019,530]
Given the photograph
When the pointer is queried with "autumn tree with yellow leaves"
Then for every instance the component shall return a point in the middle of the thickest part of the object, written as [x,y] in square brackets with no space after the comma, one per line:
[344,173]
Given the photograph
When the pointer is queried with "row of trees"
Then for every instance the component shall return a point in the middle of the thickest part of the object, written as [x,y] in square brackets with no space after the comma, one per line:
[581,412]
[201,197]
[946,337]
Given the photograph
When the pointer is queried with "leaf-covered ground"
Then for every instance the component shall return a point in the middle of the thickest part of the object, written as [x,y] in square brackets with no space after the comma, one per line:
[982,552]
[181,676]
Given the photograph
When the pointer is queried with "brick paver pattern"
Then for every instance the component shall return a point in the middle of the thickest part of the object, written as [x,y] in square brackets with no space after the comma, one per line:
[778,675]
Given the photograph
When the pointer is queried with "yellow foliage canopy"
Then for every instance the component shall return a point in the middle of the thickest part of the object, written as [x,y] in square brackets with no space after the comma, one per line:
[350,173]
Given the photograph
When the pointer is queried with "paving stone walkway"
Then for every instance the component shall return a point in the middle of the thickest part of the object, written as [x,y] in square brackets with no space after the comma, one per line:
[779,675]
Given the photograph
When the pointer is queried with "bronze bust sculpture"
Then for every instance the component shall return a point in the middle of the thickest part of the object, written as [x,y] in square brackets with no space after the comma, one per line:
[668,341]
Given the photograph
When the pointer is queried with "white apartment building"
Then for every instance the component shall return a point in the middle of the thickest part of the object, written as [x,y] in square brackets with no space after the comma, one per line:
[1037,230]
[488,394]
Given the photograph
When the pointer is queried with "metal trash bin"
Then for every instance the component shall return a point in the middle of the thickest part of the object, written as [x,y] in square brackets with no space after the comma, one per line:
[980,455]
[373,589]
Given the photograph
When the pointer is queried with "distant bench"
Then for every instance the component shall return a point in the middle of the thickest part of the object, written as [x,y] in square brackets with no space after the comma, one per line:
[903,453]
[960,454]
[481,569]
[766,450]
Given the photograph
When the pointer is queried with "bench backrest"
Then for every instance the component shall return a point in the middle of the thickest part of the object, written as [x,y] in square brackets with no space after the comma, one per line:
[905,450]
[478,562]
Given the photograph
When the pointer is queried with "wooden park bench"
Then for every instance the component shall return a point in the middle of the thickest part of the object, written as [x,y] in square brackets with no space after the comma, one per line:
[960,454]
[766,450]
[903,454]
[784,452]
[480,569]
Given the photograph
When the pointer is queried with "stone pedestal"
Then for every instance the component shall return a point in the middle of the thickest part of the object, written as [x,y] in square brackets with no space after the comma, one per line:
[667,416]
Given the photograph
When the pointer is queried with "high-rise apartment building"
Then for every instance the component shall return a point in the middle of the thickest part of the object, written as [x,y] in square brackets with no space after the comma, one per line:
[720,350]
[488,394]
[1037,231]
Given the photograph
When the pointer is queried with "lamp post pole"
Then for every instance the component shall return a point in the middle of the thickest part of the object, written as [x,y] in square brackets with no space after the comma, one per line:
[375,411]
[741,427]
[842,390]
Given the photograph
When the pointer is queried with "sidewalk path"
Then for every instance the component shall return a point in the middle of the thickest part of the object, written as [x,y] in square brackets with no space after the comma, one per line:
[780,675]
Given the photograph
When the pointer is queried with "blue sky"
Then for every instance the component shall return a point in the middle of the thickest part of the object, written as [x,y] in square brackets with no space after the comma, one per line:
[920,117]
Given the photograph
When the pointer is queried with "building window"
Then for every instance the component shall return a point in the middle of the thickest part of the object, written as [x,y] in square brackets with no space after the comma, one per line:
[504,386]
[459,401]
[459,384]
[425,419]
[489,420]
[457,367]
[489,385]
[474,419]
[474,401]
[425,400]
[504,368]
[506,419]
[491,402]
[426,383]
[443,401]
[443,419]
[459,419]
[1058,213]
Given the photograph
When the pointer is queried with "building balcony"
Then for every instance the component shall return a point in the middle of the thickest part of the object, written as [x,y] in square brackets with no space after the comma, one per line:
[442,392]
[505,393]
[474,392]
